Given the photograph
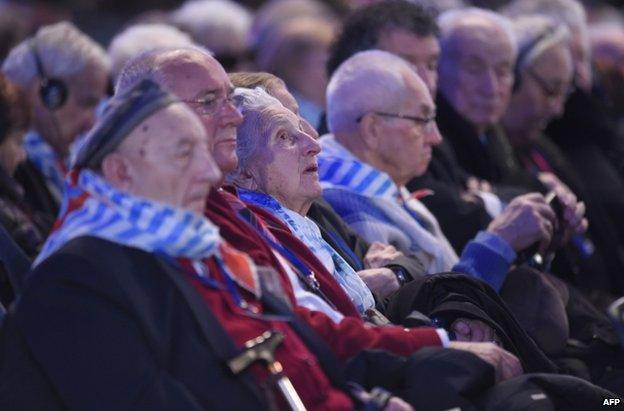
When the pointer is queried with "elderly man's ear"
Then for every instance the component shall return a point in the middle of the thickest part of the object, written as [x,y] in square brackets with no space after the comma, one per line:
[370,131]
[115,170]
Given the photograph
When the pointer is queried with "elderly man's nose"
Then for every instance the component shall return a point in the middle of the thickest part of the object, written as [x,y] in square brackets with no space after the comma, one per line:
[557,106]
[208,168]
[230,114]
[489,83]
[429,78]
[434,137]
[211,171]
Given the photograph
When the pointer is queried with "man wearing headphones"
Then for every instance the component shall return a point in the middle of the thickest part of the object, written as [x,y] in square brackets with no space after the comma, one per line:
[64,74]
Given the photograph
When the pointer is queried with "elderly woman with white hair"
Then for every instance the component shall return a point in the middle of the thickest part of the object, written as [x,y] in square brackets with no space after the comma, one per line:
[65,75]
[277,170]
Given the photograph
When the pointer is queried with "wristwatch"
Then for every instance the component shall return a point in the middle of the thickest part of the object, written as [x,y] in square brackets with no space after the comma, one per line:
[400,274]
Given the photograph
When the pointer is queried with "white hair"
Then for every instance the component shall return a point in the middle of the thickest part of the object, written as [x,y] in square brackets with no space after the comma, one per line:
[63,50]
[450,21]
[143,37]
[371,80]
[220,25]
[535,35]
[149,64]
[568,12]
[252,104]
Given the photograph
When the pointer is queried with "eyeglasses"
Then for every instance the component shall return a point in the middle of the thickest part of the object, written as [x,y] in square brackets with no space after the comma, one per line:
[551,92]
[428,123]
[210,105]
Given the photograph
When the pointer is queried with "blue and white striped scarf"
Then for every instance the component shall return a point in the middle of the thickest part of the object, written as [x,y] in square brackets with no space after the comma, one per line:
[92,207]
[45,159]
[309,233]
[339,168]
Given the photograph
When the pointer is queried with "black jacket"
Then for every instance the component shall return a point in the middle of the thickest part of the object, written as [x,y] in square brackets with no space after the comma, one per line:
[492,160]
[583,135]
[100,326]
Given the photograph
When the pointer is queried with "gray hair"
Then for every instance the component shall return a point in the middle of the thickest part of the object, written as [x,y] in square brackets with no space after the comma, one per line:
[148,65]
[535,35]
[252,104]
[568,12]
[221,25]
[140,38]
[450,21]
[371,80]
[64,52]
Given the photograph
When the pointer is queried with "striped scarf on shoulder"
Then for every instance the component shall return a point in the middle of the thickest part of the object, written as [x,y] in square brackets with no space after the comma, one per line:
[340,169]
[93,207]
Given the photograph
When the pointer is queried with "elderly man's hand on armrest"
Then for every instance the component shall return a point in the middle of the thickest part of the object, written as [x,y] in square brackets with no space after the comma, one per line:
[380,255]
[505,364]
[526,220]
[381,281]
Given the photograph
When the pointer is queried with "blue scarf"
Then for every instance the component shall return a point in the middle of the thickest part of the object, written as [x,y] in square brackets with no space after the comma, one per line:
[92,207]
[339,168]
[308,232]
[45,159]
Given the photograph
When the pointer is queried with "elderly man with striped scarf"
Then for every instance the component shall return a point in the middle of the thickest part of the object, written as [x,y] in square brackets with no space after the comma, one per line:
[382,120]
[136,302]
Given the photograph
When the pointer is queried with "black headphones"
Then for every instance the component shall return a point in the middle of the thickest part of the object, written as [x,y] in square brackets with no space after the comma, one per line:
[52,91]
[524,52]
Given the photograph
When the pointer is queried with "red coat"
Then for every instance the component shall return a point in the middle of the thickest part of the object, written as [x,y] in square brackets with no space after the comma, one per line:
[351,335]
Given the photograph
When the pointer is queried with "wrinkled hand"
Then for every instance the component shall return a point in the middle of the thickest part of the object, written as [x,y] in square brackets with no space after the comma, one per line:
[474,331]
[505,364]
[526,220]
[474,184]
[573,210]
[379,255]
[381,281]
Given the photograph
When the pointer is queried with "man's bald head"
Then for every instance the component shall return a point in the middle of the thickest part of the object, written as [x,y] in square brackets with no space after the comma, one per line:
[165,158]
[197,78]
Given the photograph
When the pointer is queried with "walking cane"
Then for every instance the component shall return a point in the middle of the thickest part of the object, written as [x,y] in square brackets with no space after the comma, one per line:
[262,348]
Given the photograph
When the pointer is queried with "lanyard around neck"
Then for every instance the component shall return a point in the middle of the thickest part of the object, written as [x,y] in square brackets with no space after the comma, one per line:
[300,268]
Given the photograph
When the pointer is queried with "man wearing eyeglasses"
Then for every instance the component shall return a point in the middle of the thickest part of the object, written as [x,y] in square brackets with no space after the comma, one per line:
[377,144]
[543,79]
[209,95]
